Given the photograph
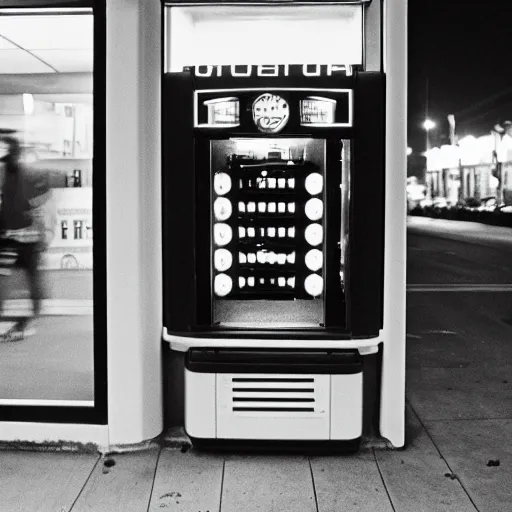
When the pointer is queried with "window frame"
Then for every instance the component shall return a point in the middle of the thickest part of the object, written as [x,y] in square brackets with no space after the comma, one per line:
[97,414]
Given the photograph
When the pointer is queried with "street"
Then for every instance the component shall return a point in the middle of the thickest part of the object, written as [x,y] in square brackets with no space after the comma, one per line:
[453,252]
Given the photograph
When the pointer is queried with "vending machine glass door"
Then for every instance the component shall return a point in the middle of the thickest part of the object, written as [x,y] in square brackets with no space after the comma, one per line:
[267,221]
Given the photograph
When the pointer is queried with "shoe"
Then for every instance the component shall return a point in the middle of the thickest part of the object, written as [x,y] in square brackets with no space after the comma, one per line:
[13,334]
[17,334]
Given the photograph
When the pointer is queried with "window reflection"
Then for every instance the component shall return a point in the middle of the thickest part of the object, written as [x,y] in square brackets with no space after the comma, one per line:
[46,105]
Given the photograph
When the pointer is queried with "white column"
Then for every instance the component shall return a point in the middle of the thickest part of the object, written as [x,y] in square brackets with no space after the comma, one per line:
[134,277]
[392,419]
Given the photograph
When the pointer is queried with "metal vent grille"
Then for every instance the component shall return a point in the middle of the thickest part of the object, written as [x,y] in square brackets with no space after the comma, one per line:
[273,394]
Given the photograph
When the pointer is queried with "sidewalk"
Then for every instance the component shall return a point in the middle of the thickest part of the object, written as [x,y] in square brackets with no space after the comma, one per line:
[50,307]
[458,456]
[441,470]
[56,363]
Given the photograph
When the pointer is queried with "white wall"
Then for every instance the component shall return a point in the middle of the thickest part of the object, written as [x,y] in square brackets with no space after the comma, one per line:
[392,421]
[133,221]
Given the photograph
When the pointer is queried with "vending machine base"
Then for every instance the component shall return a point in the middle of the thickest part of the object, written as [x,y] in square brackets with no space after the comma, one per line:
[288,396]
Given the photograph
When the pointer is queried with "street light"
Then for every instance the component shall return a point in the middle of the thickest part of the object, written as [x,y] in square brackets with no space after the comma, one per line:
[428,124]
[409,151]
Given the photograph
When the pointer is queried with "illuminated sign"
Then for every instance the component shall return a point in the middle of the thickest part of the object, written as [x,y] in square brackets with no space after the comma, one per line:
[270,113]
[270,70]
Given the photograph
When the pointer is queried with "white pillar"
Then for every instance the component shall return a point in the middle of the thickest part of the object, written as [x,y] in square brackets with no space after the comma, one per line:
[134,277]
[392,419]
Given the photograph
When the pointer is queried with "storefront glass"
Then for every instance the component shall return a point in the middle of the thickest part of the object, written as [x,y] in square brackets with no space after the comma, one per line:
[46,108]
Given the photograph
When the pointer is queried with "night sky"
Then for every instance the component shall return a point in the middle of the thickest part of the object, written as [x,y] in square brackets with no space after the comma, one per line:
[464,49]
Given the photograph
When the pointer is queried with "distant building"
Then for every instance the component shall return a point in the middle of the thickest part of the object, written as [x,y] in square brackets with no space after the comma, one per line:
[476,168]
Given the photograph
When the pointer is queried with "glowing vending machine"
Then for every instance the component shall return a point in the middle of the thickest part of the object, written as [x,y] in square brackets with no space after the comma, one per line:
[274,204]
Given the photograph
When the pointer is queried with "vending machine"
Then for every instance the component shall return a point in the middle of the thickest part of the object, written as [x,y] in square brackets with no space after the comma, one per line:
[274,204]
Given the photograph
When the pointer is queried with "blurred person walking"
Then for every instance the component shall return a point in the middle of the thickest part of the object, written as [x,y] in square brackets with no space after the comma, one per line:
[23,230]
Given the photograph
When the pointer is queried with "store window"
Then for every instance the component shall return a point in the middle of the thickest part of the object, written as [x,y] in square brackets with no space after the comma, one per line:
[47,115]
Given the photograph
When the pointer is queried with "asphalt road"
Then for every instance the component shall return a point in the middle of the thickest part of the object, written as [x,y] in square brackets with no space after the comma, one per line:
[451,252]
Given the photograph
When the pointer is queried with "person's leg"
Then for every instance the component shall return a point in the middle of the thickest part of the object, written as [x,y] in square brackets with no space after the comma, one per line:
[7,254]
[2,286]
[29,260]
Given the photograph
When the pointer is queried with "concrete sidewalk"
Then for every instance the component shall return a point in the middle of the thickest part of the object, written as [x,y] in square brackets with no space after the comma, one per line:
[442,469]
[50,307]
[458,456]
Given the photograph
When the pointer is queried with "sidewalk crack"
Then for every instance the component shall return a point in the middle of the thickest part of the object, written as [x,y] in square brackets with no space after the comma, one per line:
[154,478]
[222,484]
[441,455]
[85,483]
[314,486]
[383,481]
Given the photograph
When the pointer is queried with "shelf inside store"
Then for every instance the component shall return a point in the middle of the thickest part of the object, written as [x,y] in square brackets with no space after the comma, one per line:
[262,294]
[259,243]
[266,219]
[265,193]
[269,269]
[246,164]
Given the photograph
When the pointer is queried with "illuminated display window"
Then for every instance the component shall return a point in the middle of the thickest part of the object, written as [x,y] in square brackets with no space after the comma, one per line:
[223,112]
[317,110]
[267,211]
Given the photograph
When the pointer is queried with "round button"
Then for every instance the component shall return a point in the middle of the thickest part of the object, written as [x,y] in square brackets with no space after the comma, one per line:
[223,284]
[314,209]
[314,285]
[223,259]
[221,183]
[314,183]
[314,234]
[314,260]
[222,234]
[222,208]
